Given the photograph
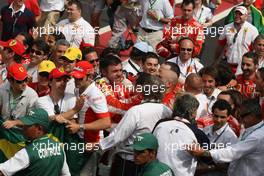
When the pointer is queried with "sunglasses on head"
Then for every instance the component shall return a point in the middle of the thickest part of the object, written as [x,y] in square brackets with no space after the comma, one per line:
[186,49]
[37,52]
[20,82]
[94,60]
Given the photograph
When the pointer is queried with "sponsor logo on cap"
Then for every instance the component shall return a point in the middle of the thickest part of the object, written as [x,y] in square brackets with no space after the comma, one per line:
[12,43]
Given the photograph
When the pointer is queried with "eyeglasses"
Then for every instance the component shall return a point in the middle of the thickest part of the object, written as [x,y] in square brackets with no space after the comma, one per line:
[22,81]
[94,60]
[56,109]
[187,49]
[37,52]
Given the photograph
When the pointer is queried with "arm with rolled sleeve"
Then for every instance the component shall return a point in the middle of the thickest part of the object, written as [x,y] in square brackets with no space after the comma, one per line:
[16,163]
[123,130]
[235,151]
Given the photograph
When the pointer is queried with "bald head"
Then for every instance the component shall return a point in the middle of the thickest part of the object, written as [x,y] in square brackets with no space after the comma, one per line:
[193,84]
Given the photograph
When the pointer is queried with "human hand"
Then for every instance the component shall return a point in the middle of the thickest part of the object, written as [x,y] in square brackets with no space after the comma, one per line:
[73,127]
[9,124]
[79,103]
[153,15]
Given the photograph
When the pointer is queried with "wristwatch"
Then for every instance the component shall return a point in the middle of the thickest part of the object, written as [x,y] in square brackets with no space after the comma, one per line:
[82,127]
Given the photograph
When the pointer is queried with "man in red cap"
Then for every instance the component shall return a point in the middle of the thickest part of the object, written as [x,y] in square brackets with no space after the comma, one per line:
[16,98]
[13,51]
[94,115]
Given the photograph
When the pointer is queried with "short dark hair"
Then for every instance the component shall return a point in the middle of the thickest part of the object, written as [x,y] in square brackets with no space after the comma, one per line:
[76,2]
[251,107]
[259,37]
[42,45]
[58,36]
[173,67]
[252,56]
[225,74]
[150,55]
[107,51]
[87,50]
[137,54]
[222,105]
[109,60]
[211,71]
[187,2]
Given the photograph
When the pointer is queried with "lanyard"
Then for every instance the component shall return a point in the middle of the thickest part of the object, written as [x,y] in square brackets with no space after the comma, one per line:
[198,19]
[214,141]
[57,104]
[245,136]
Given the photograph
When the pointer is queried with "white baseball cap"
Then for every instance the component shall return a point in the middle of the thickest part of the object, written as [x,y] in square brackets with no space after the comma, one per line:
[241,9]
[144,47]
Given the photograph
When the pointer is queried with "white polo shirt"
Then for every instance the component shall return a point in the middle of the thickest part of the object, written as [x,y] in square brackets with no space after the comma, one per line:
[19,106]
[203,14]
[222,137]
[246,156]
[137,120]
[203,105]
[77,32]
[173,136]
[161,7]
[191,66]
[65,104]
[70,86]
[237,46]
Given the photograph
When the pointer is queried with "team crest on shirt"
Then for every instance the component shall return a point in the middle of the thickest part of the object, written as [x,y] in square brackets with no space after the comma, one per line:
[12,43]
[139,138]
[31,113]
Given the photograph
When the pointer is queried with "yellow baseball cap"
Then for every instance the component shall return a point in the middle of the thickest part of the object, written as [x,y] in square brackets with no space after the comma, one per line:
[46,66]
[73,53]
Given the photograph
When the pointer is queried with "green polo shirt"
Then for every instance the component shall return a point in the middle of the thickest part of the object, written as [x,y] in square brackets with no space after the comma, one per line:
[156,168]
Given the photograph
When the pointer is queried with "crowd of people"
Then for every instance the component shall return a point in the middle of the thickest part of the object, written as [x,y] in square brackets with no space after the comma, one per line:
[67,108]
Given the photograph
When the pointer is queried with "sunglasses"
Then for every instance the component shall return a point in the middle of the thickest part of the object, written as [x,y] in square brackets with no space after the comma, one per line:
[37,52]
[187,49]
[95,60]
[56,109]
[21,82]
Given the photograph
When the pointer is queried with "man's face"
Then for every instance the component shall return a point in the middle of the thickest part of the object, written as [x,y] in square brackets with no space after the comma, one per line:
[68,65]
[8,55]
[259,82]
[50,40]
[187,11]
[59,84]
[30,132]
[36,55]
[19,86]
[239,17]
[186,49]
[151,66]
[43,79]
[58,52]
[259,47]
[94,60]
[141,157]
[248,67]
[219,118]
[166,75]
[80,82]
[209,84]
[73,12]
[19,2]
[114,73]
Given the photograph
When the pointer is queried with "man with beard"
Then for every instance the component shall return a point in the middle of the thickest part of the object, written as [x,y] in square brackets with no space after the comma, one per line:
[245,81]
[259,81]
[150,63]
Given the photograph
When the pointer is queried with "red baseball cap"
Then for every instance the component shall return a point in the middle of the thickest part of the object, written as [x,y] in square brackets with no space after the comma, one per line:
[57,73]
[18,47]
[17,71]
[81,69]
